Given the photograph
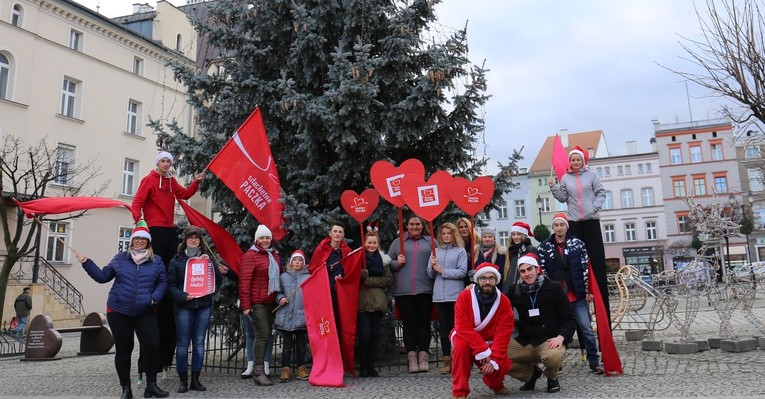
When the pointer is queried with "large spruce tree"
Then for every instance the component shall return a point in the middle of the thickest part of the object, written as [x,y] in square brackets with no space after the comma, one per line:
[341,84]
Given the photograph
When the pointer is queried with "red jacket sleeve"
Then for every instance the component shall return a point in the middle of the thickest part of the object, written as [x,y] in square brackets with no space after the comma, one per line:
[140,199]
[464,326]
[184,193]
[245,281]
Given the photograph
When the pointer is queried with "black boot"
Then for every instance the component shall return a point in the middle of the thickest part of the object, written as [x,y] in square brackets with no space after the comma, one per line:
[195,384]
[184,377]
[127,392]
[153,391]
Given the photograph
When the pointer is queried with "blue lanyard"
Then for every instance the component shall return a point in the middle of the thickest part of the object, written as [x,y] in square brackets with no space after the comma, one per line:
[533,301]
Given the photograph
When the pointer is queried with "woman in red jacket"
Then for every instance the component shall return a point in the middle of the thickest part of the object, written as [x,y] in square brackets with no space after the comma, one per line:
[258,286]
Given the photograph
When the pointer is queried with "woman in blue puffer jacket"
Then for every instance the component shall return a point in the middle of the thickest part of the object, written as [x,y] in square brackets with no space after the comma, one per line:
[139,284]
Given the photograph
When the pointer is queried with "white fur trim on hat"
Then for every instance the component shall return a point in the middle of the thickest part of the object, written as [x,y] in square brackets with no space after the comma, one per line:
[522,228]
[486,268]
[297,253]
[263,231]
[140,233]
[559,216]
[576,151]
[528,260]
[163,154]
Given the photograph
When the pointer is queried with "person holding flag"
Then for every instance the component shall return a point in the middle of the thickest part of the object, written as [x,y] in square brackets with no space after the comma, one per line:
[376,279]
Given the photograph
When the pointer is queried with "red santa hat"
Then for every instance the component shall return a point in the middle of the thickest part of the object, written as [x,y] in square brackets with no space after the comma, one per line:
[297,254]
[523,228]
[582,153]
[141,230]
[486,268]
[529,259]
[559,216]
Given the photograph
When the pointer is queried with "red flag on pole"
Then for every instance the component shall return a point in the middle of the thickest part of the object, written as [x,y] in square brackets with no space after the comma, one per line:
[559,158]
[327,367]
[246,166]
[612,364]
[57,205]
[348,304]
[227,247]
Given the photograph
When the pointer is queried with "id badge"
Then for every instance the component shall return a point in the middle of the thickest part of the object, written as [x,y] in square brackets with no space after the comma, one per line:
[533,312]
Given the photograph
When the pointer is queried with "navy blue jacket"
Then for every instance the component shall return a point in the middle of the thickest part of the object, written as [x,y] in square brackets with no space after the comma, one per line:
[569,267]
[135,286]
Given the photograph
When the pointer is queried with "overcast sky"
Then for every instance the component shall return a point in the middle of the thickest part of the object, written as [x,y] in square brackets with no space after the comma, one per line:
[576,65]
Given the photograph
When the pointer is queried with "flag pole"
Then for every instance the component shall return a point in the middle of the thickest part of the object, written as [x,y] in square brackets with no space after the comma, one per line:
[55,235]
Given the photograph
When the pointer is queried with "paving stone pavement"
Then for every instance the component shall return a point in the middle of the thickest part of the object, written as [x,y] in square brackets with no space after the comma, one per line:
[712,373]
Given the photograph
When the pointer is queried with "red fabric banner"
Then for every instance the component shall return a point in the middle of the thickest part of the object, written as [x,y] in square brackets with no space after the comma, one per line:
[559,158]
[57,205]
[327,367]
[612,363]
[227,247]
[348,304]
[246,166]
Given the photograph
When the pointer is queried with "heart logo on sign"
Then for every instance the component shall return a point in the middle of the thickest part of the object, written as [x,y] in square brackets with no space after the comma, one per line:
[427,198]
[471,196]
[360,206]
[386,178]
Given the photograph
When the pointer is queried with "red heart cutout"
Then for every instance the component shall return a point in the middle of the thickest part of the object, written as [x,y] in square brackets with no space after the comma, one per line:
[471,196]
[386,178]
[360,206]
[427,199]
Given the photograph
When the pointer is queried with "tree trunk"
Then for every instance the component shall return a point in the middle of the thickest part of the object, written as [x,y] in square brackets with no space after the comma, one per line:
[8,263]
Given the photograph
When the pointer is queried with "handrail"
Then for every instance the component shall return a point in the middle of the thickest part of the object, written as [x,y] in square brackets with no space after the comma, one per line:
[52,278]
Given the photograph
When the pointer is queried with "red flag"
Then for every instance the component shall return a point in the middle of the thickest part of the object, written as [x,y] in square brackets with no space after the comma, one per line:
[559,158]
[246,166]
[227,247]
[327,369]
[612,364]
[348,304]
[46,206]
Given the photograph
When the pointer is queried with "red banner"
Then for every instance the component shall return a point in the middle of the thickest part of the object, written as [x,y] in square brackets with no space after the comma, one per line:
[559,158]
[200,277]
[226,246]
[612,363]
[246,166]
[348,304]
[57,205]
[327,369]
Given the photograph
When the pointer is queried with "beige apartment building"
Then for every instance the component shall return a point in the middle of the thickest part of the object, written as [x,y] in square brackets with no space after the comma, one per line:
[88,86]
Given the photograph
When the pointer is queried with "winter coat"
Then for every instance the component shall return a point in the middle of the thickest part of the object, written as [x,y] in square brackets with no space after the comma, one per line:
[176,276]
[136,287]
[496,257]
[23,305]
[412,277]
[319,259]
[486,337]
[156,199]
[253,279]
[450,282]
[583,194]
[291,316]
[372,290]
[509,270]
[556,316]
[568,268]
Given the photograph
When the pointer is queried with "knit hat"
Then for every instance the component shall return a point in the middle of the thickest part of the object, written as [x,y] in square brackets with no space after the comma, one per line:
[486,268]
[140,230]
[297,254]
[163,154]
[192,231]
[523,228]
[561,216]
[489,230]
[529,259]
[263,231]
[582,153]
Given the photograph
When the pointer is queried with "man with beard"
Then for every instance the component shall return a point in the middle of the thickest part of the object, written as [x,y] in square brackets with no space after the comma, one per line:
[545,326]
[483,322]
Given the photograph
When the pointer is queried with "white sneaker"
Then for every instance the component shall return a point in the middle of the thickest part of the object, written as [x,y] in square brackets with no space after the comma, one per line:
[248,373]
[267,368]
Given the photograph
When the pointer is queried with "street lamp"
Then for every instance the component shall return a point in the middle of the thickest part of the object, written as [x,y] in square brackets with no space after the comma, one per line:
[539,207]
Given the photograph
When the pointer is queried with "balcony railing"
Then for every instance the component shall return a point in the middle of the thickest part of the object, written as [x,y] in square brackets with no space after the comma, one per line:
[47,274]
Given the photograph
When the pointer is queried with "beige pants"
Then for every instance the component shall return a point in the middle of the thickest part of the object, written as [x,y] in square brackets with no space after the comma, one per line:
[525,358]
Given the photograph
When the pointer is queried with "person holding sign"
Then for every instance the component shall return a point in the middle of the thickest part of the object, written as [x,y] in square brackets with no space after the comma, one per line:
[192,280]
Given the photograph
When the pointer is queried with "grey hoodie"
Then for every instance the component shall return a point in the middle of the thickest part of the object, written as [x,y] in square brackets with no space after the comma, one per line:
[582,193]
[449,283]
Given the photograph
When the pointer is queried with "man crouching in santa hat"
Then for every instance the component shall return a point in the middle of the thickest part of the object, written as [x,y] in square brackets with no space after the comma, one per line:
[483,322]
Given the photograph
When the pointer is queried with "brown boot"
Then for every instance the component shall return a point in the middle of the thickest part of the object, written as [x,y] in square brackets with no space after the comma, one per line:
[447,367]
[423,361]
[302,373]
[413,366]
[286,374]
[260,377]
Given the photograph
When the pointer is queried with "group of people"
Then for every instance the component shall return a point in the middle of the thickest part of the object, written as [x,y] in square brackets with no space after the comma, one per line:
[520,308]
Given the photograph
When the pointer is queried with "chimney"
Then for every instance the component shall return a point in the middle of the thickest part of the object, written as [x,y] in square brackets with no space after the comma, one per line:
[653,144]
[564,137]
[632,147]
[655,123]
[142,7]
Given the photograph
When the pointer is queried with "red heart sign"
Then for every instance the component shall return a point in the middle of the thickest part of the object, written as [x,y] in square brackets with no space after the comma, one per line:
[471,196]
[427,199]
[360,206]
[386,178]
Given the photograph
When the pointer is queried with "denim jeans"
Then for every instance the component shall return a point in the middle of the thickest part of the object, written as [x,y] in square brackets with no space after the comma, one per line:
[22,323]
[249,337]
[191,327]
[582,313]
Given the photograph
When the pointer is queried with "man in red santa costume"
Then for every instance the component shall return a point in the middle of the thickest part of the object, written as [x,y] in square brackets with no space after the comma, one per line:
[483,322]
